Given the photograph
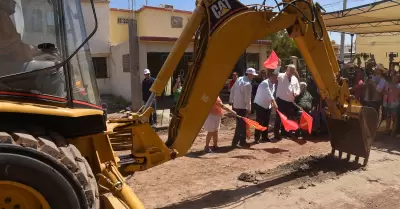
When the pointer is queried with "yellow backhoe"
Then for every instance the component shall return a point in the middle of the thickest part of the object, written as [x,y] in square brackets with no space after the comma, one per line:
[55,149]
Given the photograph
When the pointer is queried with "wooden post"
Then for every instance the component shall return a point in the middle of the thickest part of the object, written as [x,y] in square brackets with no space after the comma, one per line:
[136,87]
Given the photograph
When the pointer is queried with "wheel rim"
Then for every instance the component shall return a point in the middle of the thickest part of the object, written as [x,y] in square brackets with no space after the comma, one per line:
[14,195]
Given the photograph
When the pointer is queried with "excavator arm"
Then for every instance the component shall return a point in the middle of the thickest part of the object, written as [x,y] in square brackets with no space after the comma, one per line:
[222,30]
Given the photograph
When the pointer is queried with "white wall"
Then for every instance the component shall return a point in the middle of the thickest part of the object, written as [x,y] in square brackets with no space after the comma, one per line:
[119,82]
[379,46]
[100,42]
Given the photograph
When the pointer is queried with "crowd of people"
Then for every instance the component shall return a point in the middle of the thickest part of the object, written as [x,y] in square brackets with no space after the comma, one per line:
[377,87]
[257,94]
[374,86]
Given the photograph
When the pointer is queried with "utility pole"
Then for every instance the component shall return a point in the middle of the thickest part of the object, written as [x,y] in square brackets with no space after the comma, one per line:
[342,38]
[133,9]
[351,46]
[146,2]
[136,87]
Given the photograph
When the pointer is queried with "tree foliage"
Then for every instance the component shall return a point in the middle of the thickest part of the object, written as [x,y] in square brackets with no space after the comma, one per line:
[283,46]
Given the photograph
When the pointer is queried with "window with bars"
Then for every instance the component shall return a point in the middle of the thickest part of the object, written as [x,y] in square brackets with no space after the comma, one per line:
[126,63]
[50,22]
[123,20]
[36,21]
[100,67]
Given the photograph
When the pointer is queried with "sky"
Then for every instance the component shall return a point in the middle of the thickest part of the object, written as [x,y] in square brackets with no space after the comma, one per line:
[328,5]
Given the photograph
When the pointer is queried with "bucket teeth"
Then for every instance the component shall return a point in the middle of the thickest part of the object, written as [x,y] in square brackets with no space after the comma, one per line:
[354,136]
[348,157]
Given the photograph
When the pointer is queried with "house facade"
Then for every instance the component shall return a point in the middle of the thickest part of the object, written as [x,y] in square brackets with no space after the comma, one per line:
[158,30]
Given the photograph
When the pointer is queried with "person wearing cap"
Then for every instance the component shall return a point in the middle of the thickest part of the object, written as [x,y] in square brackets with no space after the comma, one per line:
[263,102]
[288,88]
[146,85]
[374,89]
[240,99]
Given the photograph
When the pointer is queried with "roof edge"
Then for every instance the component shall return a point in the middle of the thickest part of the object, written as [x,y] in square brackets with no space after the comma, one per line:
[164,9]
[152,8]
[357,7]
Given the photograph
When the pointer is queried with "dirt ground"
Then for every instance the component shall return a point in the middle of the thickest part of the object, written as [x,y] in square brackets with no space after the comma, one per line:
[287,174]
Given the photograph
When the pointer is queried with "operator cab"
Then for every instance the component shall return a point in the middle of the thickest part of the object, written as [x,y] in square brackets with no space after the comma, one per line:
[43,57]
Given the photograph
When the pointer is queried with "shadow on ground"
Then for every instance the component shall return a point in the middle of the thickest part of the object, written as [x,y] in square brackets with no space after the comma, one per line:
[226,149]
[318,168]
[275,150]
[386,143]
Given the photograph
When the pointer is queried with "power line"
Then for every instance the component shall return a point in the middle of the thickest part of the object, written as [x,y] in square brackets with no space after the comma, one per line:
[335,3]
[339,2]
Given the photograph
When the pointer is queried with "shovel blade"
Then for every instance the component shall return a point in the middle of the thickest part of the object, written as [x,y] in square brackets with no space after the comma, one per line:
[356,135]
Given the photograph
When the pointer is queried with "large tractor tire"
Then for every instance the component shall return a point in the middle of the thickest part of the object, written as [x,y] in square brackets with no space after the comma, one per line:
[40,170]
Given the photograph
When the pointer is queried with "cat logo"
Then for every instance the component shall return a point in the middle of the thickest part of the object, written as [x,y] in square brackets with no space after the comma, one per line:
[220,8]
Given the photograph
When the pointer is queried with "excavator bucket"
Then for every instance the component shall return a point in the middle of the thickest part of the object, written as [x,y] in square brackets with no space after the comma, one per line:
[354,136]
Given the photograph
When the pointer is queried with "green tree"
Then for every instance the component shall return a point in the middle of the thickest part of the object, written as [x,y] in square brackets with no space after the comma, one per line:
[283,46]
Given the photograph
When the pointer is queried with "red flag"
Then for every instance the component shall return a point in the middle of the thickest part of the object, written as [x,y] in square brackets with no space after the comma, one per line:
[272,61]
[254,124]
[306,122]
[289,125]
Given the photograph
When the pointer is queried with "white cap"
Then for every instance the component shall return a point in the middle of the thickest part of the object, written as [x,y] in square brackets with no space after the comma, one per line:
[146,71]
[251,71]
[291,66]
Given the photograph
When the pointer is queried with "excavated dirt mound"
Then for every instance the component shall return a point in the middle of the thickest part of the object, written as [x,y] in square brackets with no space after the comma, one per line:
[116,115]
[228,121]
[303,172]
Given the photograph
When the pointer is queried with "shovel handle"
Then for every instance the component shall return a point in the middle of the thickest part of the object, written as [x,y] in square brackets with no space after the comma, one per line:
[229,110]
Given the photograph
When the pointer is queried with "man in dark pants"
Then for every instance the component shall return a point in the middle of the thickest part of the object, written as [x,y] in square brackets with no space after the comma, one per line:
[263,102]
[146,85]
[288,88]
[240,98]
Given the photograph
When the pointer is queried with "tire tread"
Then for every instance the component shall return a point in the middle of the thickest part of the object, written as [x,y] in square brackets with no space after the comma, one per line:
[56,146]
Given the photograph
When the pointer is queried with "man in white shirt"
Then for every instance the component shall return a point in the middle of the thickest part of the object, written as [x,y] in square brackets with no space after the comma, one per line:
[288,88]
[263,102]
[240,98]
